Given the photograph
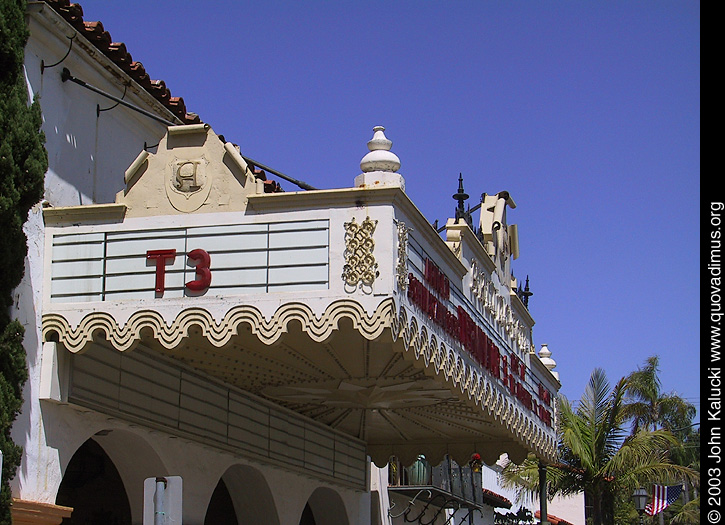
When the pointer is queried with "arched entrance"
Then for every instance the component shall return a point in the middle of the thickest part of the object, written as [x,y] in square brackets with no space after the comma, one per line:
[308,518]
[221,507]
[93,487]
[325,507]
[242,496]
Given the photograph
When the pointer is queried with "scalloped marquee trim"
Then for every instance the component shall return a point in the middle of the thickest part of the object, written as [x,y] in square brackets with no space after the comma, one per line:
[126,337]
[478,387]
[441,359]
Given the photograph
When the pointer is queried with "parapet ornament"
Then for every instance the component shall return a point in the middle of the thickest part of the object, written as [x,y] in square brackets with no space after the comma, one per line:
[360,268]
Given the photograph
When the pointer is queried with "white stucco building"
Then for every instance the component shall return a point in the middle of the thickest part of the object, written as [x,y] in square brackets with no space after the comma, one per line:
[266,353]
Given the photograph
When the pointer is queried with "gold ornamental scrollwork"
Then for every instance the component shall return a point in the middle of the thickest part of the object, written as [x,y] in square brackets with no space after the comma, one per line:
[401,268]
[360,269]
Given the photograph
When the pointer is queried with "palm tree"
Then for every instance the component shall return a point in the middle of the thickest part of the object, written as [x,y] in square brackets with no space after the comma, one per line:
[651,409]
[596,456]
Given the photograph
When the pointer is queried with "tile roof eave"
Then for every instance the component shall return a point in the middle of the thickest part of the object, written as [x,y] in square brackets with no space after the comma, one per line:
[496,499]
[554,520]
[117,52]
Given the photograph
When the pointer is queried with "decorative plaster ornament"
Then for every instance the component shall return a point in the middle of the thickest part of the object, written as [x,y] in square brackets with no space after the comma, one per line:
[401,268]
[188,184]
[360,268]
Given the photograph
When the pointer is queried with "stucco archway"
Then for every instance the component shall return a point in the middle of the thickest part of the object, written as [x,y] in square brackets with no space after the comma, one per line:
[325,507]
[250,496]
[93,488]
[128,455]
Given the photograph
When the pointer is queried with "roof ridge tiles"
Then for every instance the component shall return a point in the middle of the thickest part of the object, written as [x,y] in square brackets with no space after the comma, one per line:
[117,52]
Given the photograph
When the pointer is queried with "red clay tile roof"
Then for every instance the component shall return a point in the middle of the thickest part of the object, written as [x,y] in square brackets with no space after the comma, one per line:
[552,519]
[497,500]
[95,33]
[117,52]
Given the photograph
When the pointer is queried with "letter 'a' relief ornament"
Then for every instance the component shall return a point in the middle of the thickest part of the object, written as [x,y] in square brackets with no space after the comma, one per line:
[188,184]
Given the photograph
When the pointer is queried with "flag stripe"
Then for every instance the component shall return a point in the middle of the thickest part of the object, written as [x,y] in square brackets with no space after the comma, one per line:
[662,497]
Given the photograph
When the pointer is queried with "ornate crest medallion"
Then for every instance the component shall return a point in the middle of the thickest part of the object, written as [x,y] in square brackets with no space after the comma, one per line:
[188,184]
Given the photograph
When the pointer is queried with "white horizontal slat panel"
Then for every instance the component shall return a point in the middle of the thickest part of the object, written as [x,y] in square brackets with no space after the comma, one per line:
[140,246]
[147,281]
[78,268]
[298,275]
[247,259]
[283,256]
[140,264]
[130,235]
[298,239]
[300,256]
[91,286]
[238,242]
[76,298]
[136,295]
[234,278]
[232,230]
[80,251]
[237,290]
[303,287]
[60,239]
[321,224]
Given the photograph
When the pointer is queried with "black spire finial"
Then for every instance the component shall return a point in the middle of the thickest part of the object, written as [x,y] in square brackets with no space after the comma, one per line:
[526,293]
[461,197]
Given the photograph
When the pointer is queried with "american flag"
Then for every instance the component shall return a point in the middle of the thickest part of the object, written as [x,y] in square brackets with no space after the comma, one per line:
[662,497]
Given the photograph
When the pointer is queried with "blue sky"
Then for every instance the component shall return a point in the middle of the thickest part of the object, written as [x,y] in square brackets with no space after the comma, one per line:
[588,113]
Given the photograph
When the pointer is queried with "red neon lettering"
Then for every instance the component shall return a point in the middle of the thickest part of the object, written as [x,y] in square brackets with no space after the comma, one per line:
[437,279]
[160,256]
[461,326]
[203,273]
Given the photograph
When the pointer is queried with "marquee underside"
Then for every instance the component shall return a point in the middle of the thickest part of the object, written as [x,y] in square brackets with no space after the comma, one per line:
[378,378]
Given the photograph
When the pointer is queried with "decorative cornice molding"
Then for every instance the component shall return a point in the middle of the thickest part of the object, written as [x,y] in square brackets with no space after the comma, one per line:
[96,213]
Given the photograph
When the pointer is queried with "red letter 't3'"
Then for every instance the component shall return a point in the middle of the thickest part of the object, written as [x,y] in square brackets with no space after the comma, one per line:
[203,273]
[160,256]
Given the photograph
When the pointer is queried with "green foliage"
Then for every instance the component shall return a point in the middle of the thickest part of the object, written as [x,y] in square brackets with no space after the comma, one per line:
[597,457]
[13,374]
[687,514]
[23,163]
[648,407]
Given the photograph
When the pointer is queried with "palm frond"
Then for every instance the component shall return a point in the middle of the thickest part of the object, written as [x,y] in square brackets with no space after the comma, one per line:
[689,513]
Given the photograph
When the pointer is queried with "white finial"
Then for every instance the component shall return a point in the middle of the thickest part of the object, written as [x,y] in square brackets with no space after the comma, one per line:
[548,362]
[380,157]
[380,164]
